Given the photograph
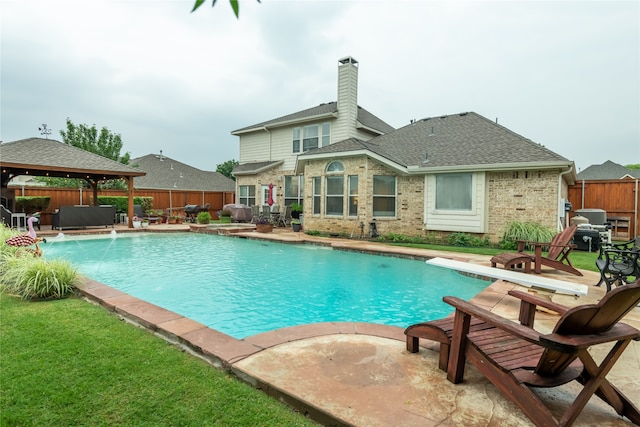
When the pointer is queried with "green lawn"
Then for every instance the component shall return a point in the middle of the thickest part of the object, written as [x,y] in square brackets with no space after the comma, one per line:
[68,362]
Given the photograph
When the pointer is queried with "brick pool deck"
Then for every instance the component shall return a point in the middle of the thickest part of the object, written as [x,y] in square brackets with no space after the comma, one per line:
[360,374]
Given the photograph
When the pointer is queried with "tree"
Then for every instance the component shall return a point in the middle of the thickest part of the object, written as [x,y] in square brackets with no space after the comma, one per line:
[235,5]
[635,166]
[87,138]
[226,168]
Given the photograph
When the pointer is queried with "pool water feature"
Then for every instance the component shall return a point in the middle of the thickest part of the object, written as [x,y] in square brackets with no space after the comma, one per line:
[243,287]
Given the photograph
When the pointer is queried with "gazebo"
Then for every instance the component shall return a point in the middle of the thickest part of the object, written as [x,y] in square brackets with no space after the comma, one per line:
[48,157]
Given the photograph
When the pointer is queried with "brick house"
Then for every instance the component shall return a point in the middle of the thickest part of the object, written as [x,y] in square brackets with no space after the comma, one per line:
[347,167]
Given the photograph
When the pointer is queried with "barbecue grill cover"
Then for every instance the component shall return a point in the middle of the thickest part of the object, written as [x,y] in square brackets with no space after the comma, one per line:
[595,216]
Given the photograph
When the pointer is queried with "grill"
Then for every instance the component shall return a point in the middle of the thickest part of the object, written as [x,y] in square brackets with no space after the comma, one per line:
[192,211]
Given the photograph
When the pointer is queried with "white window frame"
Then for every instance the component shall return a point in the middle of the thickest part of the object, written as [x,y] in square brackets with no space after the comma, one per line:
[393,196]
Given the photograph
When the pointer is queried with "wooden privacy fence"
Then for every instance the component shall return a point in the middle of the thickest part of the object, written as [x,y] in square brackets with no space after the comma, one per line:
[618,198]
[174,200]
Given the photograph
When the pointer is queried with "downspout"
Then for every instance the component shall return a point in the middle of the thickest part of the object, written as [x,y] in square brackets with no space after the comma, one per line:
[635,221]
[560,192]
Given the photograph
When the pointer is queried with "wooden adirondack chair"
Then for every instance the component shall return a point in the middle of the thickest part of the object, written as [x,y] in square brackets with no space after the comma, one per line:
[516,358]
[557,257]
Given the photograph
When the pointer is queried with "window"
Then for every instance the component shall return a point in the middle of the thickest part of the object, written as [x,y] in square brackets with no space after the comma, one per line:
[384,196]
[335,167]
[453,191]
[312,136]
[247,195]
[335,195]
[296,140]
[293,189]
[353,195]
[317,195]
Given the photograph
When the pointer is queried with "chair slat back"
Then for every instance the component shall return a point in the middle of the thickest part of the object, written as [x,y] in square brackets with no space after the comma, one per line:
[560,241]
[586,320]
[598,318]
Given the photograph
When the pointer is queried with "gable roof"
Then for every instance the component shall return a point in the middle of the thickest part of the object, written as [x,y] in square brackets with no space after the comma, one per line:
[48,157]
[164,173]
[465,141]
[322,111]
[608,170]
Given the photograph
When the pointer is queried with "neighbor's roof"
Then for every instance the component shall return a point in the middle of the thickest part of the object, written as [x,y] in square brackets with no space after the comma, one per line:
[365,118]
[165,173]
[608,170]
[453,142]
[39,157]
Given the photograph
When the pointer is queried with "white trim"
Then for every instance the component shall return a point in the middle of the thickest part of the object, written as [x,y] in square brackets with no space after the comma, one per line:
[528,280]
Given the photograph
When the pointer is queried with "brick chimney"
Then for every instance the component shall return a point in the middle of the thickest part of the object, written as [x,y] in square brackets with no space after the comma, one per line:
[345,126]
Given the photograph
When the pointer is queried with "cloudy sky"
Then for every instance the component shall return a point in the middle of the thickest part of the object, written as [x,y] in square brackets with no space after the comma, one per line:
[563,74]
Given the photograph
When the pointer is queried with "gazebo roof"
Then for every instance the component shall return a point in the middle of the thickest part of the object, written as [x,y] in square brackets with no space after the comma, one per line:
[48,157]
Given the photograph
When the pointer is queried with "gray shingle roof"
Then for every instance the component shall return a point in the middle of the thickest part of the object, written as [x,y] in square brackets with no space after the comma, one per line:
[607,170]
[43,153]
[465,139]
[255,167]
[167,174]
[364,117]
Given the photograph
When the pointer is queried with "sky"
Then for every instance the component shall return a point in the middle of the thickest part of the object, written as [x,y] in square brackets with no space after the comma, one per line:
[565,74]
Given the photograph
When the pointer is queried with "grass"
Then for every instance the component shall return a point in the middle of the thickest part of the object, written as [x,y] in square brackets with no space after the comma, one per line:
[68,362]
[583,260]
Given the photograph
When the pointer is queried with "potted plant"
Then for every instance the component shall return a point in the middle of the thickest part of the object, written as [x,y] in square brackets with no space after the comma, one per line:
[203,218]
[137,222]
[264,225]
[144,223]
[296,210]
[225,216]
[295,225]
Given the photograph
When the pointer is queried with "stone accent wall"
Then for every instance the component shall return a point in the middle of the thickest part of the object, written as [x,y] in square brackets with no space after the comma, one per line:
[528,196]
[409,203]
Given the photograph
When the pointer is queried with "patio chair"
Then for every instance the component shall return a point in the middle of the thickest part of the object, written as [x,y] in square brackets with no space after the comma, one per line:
[266,212]
[517,358]
[285,217]
[618,267]
[603,263]
[557,256]
[255,214]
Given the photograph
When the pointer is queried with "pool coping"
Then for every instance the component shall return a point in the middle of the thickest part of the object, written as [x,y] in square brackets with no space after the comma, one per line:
[237,356]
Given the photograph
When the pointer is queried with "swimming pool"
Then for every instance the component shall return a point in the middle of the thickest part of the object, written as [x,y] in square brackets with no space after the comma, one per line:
[243,287]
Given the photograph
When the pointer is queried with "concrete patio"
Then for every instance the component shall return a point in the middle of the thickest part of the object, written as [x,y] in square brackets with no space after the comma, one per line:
[361,374]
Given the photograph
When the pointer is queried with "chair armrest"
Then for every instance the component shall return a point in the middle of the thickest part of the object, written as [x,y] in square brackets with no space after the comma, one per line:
[500,322]
[532,299]
[572,343]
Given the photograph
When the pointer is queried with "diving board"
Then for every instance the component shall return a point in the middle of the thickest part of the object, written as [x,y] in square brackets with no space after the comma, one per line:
[528,280]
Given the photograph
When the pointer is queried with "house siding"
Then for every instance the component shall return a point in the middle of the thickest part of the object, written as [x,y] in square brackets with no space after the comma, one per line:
[467,222]
[254,147]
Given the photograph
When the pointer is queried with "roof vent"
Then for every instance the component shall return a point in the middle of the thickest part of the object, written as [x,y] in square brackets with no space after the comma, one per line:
[426,158]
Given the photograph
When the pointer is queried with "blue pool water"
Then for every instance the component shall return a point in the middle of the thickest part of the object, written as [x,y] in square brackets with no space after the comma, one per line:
[244,287]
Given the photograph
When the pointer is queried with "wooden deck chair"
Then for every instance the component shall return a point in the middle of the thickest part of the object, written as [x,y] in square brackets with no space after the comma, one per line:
[557,257]
[516,358]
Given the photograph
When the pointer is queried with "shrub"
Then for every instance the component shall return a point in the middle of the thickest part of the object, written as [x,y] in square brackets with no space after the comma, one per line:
[203,218]
[527,231]
[31,204]
[31,277]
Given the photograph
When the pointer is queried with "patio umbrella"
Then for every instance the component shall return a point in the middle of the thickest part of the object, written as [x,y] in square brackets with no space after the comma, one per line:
[270,199]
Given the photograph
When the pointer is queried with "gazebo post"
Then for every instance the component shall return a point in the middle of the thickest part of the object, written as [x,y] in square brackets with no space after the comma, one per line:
[130,210]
